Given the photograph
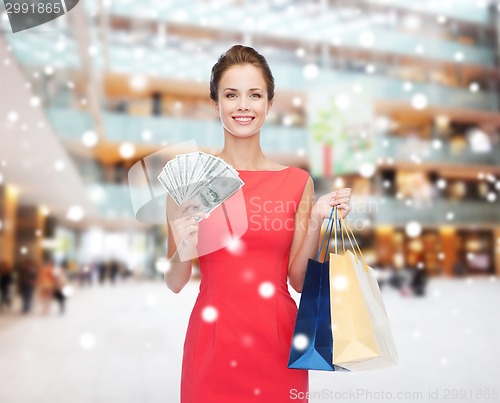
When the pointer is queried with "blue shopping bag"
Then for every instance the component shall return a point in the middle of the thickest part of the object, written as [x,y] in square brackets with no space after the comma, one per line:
[312,342]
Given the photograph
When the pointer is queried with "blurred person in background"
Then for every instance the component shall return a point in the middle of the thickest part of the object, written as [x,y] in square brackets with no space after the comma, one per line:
[102,272]
[114,270]
[46,285]
[26,282]
[6,279]
[60,280]
[418,281]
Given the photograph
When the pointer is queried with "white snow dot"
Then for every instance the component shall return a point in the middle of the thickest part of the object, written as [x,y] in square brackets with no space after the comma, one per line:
[437,144]
[266,289]
[413,229]
[127,150]
[407,86]
[459,56]
[367,169]
[235,245]
[12,116]
[23,250]
[256,391]
[419,101]
[444,361]
[300,341]
[474,87]
[491,197]
[370,68]
[59,165]
[297,101]
[366,39]
[89,138]
[248,275]
[311,71]
[35,101]
[138,82]
[441,183]
[450,215]
[147,135]
[233,363]
[209,314]
[300,52]
[247,340]
[441,19]
[343,101]
[151,300]
[87,341]
[75,213]
[340,282]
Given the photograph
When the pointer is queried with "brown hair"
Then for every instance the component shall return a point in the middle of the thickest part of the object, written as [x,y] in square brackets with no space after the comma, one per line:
[239,54]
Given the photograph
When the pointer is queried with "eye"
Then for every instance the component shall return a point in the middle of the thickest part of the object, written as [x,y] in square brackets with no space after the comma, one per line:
[256,95]
[230,95]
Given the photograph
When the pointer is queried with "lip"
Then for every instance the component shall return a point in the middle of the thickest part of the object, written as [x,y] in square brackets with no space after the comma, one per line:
[243,123]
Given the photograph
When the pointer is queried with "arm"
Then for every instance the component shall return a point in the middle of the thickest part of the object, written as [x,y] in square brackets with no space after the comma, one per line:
[305,240]
[179,272]
[308,220]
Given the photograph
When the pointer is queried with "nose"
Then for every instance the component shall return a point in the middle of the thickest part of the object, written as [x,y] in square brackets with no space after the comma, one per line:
[242,105]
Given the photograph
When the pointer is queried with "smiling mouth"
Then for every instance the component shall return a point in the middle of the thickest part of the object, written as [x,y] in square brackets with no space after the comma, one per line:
[243,121]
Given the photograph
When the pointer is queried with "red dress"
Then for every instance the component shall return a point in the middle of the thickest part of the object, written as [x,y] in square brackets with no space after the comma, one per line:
[240,330]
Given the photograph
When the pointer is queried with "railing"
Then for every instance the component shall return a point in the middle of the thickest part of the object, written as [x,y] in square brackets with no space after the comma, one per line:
[114,201]
[467,10]
[401,149]
[71,124]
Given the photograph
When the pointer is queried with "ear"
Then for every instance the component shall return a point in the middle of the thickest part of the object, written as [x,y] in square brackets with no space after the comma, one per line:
[214,104]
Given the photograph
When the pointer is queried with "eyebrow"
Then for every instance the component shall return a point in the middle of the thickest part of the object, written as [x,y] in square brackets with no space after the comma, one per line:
[234,89]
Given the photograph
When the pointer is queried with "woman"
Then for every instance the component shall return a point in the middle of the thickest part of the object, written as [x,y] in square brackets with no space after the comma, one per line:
[239,334]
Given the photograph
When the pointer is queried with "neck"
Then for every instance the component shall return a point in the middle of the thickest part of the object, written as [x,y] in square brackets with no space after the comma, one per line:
[242,153]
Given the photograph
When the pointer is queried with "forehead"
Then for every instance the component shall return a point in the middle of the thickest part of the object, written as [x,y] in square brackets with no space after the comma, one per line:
[243,76]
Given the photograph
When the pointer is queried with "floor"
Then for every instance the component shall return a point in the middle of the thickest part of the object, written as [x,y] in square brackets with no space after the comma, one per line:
[123,343]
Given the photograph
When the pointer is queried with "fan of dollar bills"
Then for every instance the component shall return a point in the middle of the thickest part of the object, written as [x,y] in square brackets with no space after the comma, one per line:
[200,177]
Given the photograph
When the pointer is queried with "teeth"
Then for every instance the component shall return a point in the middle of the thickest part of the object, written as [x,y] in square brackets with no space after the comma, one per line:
[243,119]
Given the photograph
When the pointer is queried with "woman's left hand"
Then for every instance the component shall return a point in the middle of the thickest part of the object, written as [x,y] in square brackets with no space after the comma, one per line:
[340,198]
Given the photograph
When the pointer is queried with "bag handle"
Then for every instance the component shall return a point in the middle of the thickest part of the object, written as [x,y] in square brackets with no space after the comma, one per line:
[330,221]
[348,226]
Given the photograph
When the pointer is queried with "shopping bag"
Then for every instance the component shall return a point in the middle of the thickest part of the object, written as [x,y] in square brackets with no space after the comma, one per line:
[362,336]
[312,337]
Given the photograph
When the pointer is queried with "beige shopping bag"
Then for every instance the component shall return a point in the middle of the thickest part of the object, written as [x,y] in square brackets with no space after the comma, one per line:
[362,336]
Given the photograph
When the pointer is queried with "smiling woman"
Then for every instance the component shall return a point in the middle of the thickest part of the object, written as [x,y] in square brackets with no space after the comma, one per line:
[240,331]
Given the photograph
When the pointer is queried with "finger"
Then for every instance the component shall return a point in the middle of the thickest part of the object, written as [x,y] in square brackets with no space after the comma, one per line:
[188,204]
[200,215]
[191,229]
[345,209]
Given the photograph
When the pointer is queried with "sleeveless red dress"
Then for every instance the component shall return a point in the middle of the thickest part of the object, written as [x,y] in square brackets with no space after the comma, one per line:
[240,330]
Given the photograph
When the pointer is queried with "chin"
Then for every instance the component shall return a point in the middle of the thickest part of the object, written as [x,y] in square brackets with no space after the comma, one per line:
[242,133]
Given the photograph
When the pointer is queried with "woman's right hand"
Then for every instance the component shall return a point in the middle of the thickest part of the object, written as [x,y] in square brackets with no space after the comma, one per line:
[185,224]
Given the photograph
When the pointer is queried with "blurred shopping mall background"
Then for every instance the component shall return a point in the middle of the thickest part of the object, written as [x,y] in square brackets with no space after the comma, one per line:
[398,100]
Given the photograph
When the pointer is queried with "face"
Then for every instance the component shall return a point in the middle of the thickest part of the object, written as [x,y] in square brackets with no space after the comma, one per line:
[242,104]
